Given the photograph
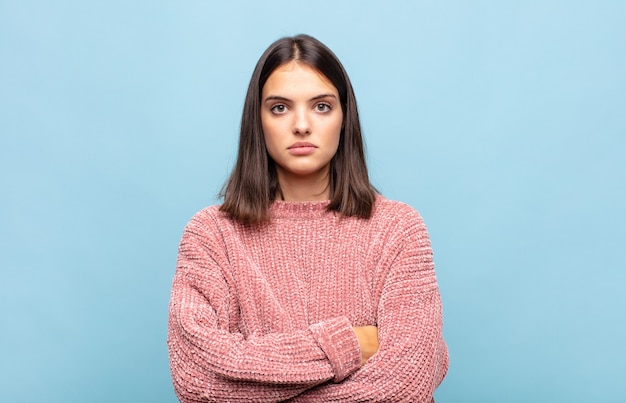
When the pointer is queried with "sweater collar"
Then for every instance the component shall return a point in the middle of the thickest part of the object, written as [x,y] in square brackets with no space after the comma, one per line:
[306,209]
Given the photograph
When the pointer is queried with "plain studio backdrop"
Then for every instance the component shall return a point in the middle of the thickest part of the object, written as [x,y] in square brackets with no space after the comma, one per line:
[502,122]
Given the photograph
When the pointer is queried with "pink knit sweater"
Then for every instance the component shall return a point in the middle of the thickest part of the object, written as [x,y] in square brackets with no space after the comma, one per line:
[265,314]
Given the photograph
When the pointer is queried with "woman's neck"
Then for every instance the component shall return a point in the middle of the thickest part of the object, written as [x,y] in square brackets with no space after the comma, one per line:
[303,188]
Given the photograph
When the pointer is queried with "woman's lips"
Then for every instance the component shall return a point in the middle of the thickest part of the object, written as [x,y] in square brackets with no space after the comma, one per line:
[301,149]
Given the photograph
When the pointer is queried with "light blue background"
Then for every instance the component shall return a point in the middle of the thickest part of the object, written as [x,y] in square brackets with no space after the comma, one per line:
[502,122]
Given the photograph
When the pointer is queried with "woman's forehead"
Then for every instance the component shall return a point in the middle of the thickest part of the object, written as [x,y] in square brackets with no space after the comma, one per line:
[295,77]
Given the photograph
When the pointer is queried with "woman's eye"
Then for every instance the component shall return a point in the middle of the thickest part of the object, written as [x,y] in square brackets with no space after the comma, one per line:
[278,108]
[323,107]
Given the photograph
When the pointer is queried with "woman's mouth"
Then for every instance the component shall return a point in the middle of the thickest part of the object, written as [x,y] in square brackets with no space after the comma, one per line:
[301,148]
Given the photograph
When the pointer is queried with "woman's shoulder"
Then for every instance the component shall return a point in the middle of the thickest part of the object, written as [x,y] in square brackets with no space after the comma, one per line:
[209,211]
[401,220]
[209,217]
[394,209]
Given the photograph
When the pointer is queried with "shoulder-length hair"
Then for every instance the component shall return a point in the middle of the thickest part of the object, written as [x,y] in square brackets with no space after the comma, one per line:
[253,183]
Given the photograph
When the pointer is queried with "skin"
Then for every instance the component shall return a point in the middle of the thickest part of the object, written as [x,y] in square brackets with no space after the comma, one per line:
[368,341]
[300,105]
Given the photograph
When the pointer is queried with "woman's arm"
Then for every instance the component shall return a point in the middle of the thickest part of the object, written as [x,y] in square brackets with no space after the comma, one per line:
[211,361]
[412,358]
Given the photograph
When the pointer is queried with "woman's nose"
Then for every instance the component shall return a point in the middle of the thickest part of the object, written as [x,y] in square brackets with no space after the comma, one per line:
[301,125]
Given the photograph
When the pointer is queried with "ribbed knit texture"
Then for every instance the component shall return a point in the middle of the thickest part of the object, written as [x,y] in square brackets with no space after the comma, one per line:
[265,314]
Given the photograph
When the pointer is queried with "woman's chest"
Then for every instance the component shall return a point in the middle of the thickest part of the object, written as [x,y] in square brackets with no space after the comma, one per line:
[290,284]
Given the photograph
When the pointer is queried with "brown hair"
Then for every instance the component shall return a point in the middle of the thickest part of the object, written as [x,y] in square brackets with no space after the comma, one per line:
[248,193]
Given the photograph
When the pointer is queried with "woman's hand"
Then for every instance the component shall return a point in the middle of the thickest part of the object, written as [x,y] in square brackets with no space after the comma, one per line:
[368,341]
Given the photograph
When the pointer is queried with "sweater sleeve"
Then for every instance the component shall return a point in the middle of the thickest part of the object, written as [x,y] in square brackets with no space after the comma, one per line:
[211,361]
[412,359]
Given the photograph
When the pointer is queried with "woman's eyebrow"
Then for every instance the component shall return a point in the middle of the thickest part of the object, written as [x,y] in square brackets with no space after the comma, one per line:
[323,96]
[284,99]
[276,98]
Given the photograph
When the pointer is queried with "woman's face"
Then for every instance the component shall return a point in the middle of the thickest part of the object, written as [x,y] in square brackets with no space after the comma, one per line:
[301,117]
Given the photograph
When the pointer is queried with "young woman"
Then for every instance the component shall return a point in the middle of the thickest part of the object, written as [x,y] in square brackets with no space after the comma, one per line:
[305,285]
